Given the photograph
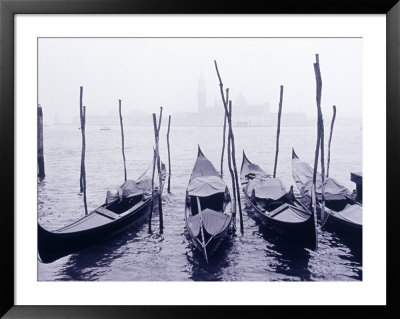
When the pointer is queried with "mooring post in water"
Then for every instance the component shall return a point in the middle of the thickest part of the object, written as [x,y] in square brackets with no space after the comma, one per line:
[278,130]
[122,137]
[152,188]
[169,156]
[83,172]
[232,140]
[41,172]
[235,168]
[84,155]
[81,120]
[231,170]
[159,174]
[330,139]
[156,138]
[223,146]
[320,139]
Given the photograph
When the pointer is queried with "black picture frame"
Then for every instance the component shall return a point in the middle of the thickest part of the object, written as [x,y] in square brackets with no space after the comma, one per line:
[8,8]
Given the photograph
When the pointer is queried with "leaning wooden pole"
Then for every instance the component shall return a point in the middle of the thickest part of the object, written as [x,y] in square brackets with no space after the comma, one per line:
[231,171]
[156,138]
[330,140]
[235,168]
[41,173]
[152,188]
[169,156]
[223,146]
[122,138]
[225,103]
[84,155]
[81,119]
[160,208]
[320,134]
[83,172]
[278,130]
[233,183]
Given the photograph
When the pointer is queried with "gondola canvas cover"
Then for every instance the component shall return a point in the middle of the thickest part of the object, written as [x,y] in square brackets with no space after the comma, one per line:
[130,188]
[205,186]
[213,222]
[352,213]
[267,188]
[303,176]
[253,169]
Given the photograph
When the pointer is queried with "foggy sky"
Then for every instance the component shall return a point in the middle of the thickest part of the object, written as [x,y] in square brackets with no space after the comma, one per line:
[146,73]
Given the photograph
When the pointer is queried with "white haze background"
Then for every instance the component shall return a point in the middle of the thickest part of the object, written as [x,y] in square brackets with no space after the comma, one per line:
[146,73]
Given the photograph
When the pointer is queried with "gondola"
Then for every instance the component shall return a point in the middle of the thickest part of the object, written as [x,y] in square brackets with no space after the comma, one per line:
[129,205]
[208,212]
[276,208]
[342,212]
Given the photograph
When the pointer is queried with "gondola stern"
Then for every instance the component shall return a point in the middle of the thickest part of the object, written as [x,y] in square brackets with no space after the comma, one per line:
[199,151]
[43,238]
[294,155]
[245,159]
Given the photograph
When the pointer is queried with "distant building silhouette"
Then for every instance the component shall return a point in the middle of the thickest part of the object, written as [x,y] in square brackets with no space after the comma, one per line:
[244,114]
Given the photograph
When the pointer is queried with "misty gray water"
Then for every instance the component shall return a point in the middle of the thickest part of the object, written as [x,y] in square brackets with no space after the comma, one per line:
[135,255]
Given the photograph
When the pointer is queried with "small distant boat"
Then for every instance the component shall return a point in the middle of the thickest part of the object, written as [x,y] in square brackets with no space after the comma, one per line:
[276,208]
[208,212]
[105,128]
[128,206]
[343,213]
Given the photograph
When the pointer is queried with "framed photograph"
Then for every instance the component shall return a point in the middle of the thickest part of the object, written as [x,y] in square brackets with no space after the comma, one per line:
[173,154]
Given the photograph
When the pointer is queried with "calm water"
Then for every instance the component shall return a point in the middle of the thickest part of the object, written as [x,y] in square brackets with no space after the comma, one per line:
[136,255]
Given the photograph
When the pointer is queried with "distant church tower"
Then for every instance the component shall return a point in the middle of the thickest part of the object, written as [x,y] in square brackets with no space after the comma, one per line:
[201,95]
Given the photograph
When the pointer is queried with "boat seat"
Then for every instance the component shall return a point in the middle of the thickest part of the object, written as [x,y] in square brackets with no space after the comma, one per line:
[108,213]
[262,209]
[278,210]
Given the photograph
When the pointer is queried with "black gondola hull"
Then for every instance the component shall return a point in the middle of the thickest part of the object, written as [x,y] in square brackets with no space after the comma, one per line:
[205,242]
[53,245]
[212,246]
[343,227]
[335,223]
[303,234]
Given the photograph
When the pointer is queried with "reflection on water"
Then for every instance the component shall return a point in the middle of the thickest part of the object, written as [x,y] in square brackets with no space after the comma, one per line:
[135,255]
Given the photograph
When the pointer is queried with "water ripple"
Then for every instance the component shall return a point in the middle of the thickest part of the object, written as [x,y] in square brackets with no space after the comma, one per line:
[136,255]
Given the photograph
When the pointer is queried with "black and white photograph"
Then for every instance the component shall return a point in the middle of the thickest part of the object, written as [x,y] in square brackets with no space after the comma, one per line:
[200,159]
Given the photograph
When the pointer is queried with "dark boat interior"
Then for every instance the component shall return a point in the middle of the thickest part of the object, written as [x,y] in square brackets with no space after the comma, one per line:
[121,206]
[336,205]
[269,204]
[214,202]
[272,204]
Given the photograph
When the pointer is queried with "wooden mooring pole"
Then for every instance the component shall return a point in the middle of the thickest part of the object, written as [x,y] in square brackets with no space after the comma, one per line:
[82,153]
[232,140]
[330,140]
[235,168]
[156,138]
[169,156]
[41,173]
[122,137]
[152,187]
[320,139]
[223,145]
[278,130]
[232,173]
[83,172]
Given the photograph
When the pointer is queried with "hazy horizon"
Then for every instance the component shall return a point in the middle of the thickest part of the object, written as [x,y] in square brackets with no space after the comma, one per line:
[146,73]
